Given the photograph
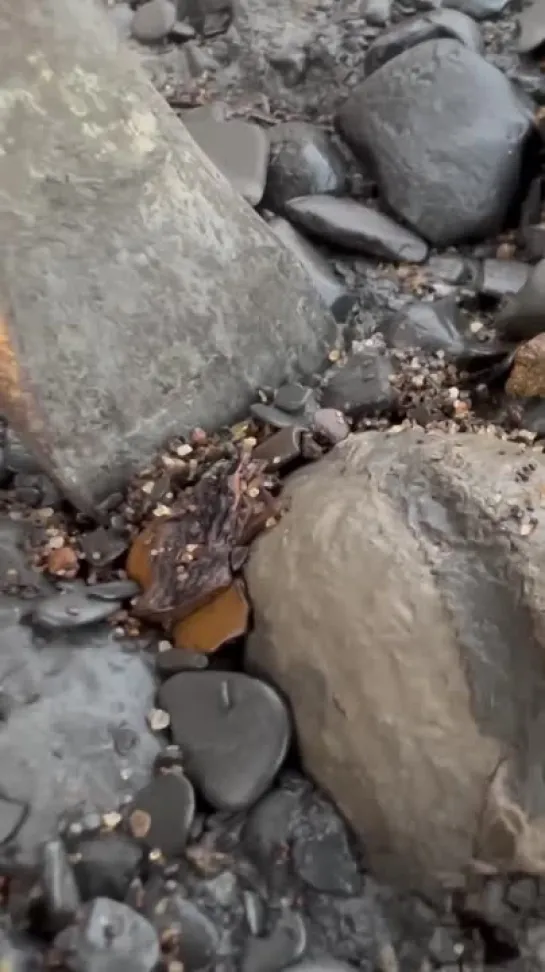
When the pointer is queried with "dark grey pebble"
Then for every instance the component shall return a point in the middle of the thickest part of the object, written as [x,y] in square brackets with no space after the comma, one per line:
[354,226]
[254,911]
[106,865]
[451,269]
[71,610]
[110,937]
[333,291]
[36,489]
[501,278]
[427,326]
[267,830]
[278,950]
[361,387]
[169,800]
[293,397]
[280,448]
[175,660]
[321,853]
[330,425]
[182,32]
[532,27]
[523,317]
[61,895]
[271,415]
[197,937]
[18,458]
[533,240]
[120,590]
[103,546]
[303,161]
[478,9]
[14,565]
[12,816]
[239,150]
[234,730]
[422,27]
[153,21]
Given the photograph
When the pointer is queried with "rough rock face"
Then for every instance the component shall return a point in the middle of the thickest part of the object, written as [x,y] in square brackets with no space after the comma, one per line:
[444,130]
[399,604]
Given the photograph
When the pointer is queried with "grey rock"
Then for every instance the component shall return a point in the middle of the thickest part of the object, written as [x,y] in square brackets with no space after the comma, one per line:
[14,562]
[278,950]
[214,111]
[268,827]
[61,893]
[208,17]
[293,398]
[533,238]
[106,865]
[321,854]
[67,695]
[12,816]
[523,317]
[281,448]
[290,60]
[103,546]
[422,27]
[445,132]
[532,27]
[330,288]
[198,938]
[479,9]
[361,387]
[35,489]
[533,417]
[501,278]
[350,224]
[121,16]
[239,150]
[427,326]
[329,425]
[132,265]
[452,269]
[234,730]
[18,458]
[303,162]
[121,590]
[175,660]
[324,964]
[273,416]
[110,935]
[153,21]
[71,609]
[169,801]
[377,11]
[182,32]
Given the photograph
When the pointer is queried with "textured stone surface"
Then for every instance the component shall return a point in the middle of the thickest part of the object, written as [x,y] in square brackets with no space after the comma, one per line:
[156,329]
[412,649]
[527,378]
[523,316]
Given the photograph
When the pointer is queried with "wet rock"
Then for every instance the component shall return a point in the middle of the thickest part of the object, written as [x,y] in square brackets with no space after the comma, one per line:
[182,32]
[153,21]
[280,449]
[303,162]
[427,326]
[523,317]
[103,546]
[461,719]
[424,119]
[12,816]
[501,278]
[234,730]
[163,812]
[61,893]
[110,935]
[293,398]
[106,865]
[66,696]
[350,224]
[239,150]
[422,27]
[527,378]
[175,660]
[278,950]
[121,590]
[361,387]
[479,9]
[196,936]
[329,425]
[321,854]
[333,292]
[532,27]
[71,609]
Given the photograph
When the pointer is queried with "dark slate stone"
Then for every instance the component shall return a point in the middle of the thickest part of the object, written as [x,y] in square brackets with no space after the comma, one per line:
[523,317]
[321,853]
[533,239]
[332,291]
[35,489]
[103,546]
[293,397]
[239,150]
[303,162]
[71,609]
[120,590]
[197,938]
[169,802]
[427,326]
[106,865]
[273,416]
[175,660]
[451,269]
[278,950]
[350,224]
[501,278]
[445,131]
[361,387]
[235,731]
[478,9]
[268,827]
[281,448]
[110,937]
[415,30]
[330,426]
[14,562]
[61,893]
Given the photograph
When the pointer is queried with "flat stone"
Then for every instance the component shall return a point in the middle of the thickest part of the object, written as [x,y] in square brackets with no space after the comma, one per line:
[35,489]
[501,278]
[293,397]
[427,326]
[103,546]
[267,830]
[14,562]
[523,317]
[332,291]
[110,935]
[321,854]
[445,131]
[330,425]
[234,730]
[532,27]
[350,224]
[533,238]
[120,590]
[278,950]
[415,30]
[527,378]
[239,150]
[271,415]
[452,269]
[175,660]
[61,893]
[479,9]
[168,801]
[153,21]
[303,161]
[71,610]
[106,865]
[198,938]
[281,448]
[361,386]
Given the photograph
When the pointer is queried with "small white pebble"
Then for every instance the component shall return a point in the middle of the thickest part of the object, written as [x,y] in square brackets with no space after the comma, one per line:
[476,326]
[164,646]
[162,510]
[526,529]
[158,720]
[155,854]
[148,487]
[111,820]
[453,393]
[184,450]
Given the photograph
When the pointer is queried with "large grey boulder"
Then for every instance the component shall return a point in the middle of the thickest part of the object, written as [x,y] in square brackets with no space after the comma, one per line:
[444,131]
[399,604]
[140,293]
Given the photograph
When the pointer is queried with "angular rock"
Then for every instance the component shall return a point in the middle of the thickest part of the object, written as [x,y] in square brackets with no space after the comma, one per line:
[105,866]
[527,378]
[175,660]
[532,27]
[272,415]
[239,150]
[281,448]
[478,9]
[103,546]
[234,731]
[445,132]
[278,950]
[168,805]
[71,609]
[153,21]
[110,935]
[422,27]
[139,287]
[361,387]
[452,269]
[412,653]
[332,291]
[501,278]
[303,162]
[198,940]
[427,326]
[350,224]
[329,426]
[523,317]
[293,398]
[321,855]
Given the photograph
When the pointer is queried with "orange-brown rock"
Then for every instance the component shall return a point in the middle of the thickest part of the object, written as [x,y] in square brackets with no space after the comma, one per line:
[527,378]
[224,617]
[63,562]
